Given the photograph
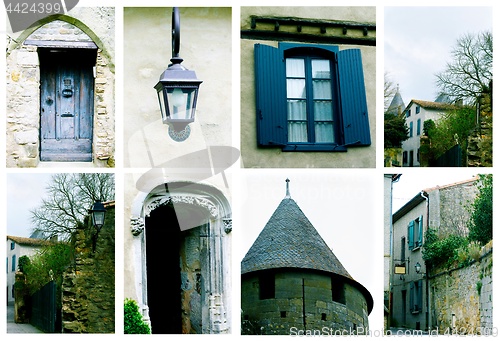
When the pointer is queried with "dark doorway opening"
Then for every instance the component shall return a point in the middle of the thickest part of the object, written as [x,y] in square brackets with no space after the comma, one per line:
[163,240]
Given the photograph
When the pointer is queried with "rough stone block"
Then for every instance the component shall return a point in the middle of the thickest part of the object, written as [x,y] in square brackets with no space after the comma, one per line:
[27,58]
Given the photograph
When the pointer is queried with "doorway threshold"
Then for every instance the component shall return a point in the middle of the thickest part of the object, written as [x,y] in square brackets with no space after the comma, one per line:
[50,164]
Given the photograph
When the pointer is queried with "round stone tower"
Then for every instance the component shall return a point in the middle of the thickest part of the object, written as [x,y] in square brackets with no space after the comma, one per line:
[293,284]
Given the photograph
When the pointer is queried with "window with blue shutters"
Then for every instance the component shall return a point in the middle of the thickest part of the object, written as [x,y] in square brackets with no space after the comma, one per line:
[416,297]
[310,98]
[418,127]
[415,233]
[14,263]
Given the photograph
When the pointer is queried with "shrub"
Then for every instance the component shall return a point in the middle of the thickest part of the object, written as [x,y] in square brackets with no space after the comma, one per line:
[442,251]
[133,323]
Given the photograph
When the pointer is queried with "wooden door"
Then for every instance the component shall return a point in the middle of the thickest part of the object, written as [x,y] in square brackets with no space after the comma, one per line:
[66,104]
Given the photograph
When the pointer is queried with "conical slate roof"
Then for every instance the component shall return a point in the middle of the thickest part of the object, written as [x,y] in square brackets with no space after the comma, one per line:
[397,102]
[289,240]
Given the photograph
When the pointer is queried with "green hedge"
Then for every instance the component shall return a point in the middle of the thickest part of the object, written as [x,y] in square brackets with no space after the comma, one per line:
[133,323]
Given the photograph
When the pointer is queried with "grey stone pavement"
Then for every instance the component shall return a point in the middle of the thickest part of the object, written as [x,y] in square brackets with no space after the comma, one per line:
[18,328]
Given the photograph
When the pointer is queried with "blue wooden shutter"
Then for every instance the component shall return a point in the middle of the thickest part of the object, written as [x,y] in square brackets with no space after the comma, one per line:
[411,241]
[353,98]
[412,296]
[420,229]
[270,92]
[419,303]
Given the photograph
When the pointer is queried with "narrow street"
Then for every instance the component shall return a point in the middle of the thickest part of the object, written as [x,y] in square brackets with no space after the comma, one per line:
[18,328]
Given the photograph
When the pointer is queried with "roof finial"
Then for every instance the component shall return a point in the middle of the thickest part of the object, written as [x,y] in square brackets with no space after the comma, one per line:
[287,196]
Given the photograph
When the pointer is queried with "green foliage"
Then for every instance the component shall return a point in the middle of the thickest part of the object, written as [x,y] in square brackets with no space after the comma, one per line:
[133,323]
[454,127]
[48,264]
[444,251]
[395,131]
[24,261]
[481,222]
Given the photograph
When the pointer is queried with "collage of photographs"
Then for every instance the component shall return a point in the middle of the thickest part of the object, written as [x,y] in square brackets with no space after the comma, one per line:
[248,168]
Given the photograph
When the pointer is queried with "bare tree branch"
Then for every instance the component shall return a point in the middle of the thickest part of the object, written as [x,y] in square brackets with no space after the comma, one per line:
[471,69]
[69,198]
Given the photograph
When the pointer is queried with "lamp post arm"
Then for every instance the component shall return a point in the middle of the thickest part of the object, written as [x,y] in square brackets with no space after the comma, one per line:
[176,36]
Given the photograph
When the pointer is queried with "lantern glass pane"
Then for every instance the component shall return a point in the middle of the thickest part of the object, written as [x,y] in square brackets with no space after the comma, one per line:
[163,107]
[98,218]
[181,103]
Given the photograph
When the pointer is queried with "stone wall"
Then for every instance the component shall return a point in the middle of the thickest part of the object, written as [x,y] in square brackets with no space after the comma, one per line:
[88,303]
[23,83]
[461,298]
[480,142]
[289,311]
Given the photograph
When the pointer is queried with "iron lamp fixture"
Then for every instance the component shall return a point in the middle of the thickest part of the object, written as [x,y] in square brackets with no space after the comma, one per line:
[98,214]
[177,89]
[418,267]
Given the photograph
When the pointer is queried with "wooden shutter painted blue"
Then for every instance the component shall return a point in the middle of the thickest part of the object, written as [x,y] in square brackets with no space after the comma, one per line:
[270,92]
[412,296]
[353,98]
[420,229]
[419,303]
[411,226]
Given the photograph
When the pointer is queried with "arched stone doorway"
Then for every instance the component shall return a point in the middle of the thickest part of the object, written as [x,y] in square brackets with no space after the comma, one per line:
[182,230]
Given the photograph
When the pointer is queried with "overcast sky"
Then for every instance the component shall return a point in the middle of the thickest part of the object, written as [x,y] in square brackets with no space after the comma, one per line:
[418,42]
[338,203]
[24,192]
[412,182]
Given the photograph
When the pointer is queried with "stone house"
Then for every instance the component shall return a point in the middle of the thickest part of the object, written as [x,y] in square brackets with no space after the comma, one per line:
[444,208]
[292,282]
[177,211]
[16,248]
[416,113]
[60,90]
[308,87]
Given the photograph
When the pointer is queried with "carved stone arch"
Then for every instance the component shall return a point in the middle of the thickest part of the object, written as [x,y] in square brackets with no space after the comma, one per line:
[212,205]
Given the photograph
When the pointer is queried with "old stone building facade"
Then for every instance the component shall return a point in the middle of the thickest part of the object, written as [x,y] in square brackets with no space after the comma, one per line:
[292,283]
[89,288]
[60,90]
[178,217]
[413,293]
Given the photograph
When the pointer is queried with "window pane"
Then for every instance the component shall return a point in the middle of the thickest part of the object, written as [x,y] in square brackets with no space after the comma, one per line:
[295,68]
[322,89]
[324,132]
[323,111]
[320,68]
[296,88]
[297,132]
[297,110]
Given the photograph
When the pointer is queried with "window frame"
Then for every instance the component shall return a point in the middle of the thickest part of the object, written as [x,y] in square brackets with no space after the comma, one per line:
[270,91]
[301,53]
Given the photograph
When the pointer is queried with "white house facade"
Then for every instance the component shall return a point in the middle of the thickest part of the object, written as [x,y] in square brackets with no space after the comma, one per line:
[416,113]
[16,248]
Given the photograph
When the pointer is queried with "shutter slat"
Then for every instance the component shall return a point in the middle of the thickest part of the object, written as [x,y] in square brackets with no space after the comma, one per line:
[270,96]
[353,98]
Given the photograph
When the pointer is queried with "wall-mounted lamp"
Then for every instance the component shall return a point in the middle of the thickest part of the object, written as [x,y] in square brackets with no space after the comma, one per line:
[177,89]
[418,267]
[98,213]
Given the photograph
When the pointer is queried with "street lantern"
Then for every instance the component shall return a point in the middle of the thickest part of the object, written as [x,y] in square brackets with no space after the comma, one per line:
[177,89]
[98,213]
[418,267]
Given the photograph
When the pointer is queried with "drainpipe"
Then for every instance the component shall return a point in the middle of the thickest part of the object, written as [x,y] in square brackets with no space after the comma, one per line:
[424,195]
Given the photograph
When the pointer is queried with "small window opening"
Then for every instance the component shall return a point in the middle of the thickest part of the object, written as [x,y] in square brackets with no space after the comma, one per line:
[338,290]
[283,314]
[266,286]
[323,316]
